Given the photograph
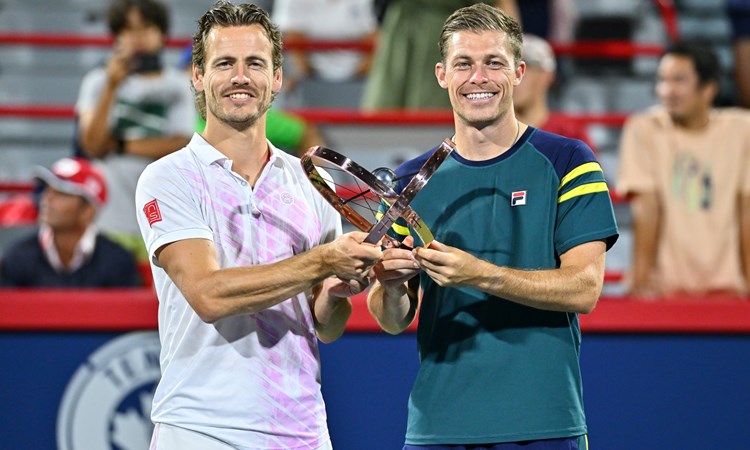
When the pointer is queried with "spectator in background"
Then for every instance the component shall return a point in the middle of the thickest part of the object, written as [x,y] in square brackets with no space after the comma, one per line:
[405,56]
[316,20]
[738,12]
[68,251]
[530,98]
[133,111]
[686,167]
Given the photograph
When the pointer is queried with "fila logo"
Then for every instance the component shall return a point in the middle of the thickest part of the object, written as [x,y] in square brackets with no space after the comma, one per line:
[518,198]
[151,210]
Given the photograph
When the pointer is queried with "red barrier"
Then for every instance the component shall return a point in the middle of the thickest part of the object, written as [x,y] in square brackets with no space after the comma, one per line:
[128,309]
[613,49]
[329,116]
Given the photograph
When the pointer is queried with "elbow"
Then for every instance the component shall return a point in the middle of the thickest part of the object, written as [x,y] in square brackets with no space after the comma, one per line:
[92,150]
[206,309]
[327,338]
[393,329]
[588,300]
[587,305]
[390,327]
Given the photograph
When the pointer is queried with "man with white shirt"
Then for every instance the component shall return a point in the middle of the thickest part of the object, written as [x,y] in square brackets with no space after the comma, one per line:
[249,263]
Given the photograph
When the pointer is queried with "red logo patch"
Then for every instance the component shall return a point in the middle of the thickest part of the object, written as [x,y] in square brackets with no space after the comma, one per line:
[151,209]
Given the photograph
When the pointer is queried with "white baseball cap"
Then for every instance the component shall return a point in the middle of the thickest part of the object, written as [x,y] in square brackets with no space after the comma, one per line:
[537,52]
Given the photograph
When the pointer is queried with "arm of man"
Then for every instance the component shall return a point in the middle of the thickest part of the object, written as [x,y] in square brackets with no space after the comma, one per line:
[93,127]
[646,223]
[155,147]
[332,307]
[745,237]
[573,287]
[95,136]
[394,299]
[216,293]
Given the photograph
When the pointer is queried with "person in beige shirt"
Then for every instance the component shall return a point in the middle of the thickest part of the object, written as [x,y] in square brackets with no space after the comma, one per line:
[685,165]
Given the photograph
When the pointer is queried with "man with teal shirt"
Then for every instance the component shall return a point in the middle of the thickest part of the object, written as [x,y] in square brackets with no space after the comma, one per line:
[522,220]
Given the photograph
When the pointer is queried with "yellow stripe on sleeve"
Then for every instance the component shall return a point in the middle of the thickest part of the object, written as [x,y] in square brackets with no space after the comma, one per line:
[590,188]
[580,170]
[400,229]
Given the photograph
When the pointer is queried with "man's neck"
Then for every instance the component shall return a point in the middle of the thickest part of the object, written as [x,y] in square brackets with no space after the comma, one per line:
[488,142]
[66,242]
[247,148]
[694,122]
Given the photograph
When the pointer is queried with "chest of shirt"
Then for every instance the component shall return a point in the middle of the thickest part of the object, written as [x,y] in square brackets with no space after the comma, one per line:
[496,212]
[274,220]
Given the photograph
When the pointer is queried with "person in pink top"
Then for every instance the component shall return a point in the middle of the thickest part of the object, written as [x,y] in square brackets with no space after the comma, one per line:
[249,263]
[686,167]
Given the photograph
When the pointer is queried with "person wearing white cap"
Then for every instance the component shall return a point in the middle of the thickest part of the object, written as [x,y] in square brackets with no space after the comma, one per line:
[531,97]
[68,251]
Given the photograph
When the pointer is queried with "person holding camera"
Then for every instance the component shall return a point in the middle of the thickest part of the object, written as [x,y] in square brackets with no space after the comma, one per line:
[132,111]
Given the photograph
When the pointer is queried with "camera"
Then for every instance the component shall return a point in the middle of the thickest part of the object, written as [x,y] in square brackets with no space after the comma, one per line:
[146,62]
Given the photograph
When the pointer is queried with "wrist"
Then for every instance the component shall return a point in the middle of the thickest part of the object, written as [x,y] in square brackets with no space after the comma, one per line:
[120,146]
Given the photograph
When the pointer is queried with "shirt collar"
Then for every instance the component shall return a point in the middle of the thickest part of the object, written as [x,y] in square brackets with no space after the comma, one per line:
[208,154]
[83,252]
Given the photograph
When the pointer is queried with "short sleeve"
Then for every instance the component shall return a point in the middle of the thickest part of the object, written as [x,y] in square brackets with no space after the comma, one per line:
[90,90]
[636,158]
[167,209]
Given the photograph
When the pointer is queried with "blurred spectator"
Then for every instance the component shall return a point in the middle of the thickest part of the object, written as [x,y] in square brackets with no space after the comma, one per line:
[686,166]
[68,251]
[403,70]
[133,111]
[552,20]
[738,12]
[530,98]
[316,20]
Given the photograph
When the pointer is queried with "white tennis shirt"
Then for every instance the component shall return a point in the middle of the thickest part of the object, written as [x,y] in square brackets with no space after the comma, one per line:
[251,380]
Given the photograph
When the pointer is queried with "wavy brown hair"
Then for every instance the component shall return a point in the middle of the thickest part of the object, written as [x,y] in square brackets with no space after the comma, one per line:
[227,14]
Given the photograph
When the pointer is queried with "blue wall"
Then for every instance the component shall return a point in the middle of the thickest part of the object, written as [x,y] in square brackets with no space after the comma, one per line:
[641,391]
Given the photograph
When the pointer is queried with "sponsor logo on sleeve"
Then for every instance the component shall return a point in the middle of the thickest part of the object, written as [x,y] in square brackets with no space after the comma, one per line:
[151,210]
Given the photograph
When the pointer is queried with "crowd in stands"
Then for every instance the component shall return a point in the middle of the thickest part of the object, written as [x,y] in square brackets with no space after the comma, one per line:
[684,164]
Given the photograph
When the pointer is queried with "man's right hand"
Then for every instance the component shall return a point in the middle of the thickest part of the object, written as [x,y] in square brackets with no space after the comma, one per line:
[397,266]
[119,66]
[350,258]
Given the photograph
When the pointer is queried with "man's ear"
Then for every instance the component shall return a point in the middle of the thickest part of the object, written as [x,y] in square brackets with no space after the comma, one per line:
[278,78]
[519,72]
[709,91]
[88,212]
[440,75]
[197,79]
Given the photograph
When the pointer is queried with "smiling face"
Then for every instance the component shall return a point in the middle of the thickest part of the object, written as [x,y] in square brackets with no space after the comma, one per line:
[480,74]
[238,80]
